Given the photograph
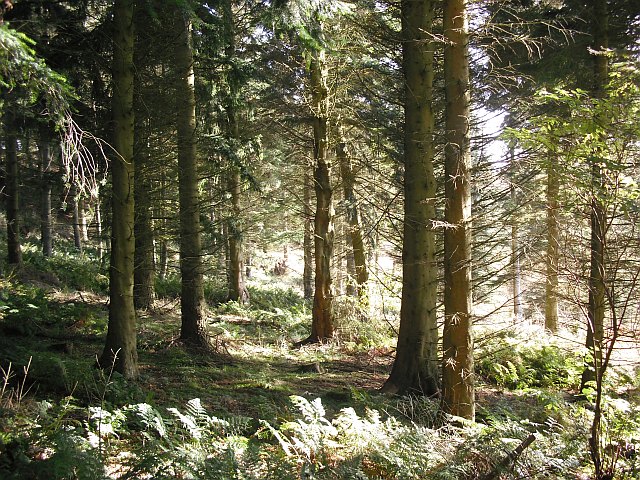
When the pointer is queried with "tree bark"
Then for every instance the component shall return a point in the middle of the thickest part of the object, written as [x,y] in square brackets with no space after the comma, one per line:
[415,368]
[237,288]
[596,307]
[458,397]
[322,316]
[193,328]
[143,290]
[356,242]
[120,348]
[553,250]
[307,275]
[14,249]
[77,233]
[46,219]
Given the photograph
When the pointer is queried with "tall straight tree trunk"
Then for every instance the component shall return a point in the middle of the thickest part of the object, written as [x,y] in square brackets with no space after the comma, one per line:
[163,248]
[553,250]
[237,288]
[144,273]
[322,316]
[99,228]
[515,248]
[46,219]
[358,253]
[192,299]
[143,290]
[14,250]
[458,394]
[596,308]
[77,232]
[415,368]
[307,274]
[82,219]
[120,348]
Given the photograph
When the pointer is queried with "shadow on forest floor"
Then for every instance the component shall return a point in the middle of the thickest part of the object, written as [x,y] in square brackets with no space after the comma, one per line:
[252,371]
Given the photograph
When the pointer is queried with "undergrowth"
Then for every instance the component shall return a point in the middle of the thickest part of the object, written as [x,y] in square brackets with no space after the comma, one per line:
[60,418]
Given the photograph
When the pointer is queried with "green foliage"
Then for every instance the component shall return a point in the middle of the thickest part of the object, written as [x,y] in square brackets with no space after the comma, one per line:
[276,298]
[215,292]
[354,326]
[515,362]
[20,68]
[68,267]
[23,308]
[55,446]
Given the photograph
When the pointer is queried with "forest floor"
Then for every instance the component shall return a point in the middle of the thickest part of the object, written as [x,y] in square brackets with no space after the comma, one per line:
[53,331]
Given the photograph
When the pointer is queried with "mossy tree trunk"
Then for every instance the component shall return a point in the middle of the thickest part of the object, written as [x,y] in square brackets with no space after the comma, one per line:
[120,348]
[598,217]
[415,368]
[193,328]
[307,274]
[322,315]
[357,253]
[553,250]
[237,287]
[458,397]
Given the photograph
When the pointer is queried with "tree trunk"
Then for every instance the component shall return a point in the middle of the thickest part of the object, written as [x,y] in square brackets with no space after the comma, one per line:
[553,250]
[82,219]
[14,250]
[99,228]
[46,219]
[143,290]
[458,396]
[515,248]
[322,317]
[593,375]
[415,368]
[120,348]
[353,217]
[237,288]
[596,308]
[307,275]
[77,234]
[192,299]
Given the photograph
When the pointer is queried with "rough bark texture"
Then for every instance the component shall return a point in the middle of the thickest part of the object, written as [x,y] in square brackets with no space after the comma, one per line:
[46,219]
[237,288]
[14,250]
[120,347]
[416,366]
[597,366]
[553,250]
[322,319]
[596,308]
[192,299]
[457,342]
[143,290]
[357,253]
[307,275]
